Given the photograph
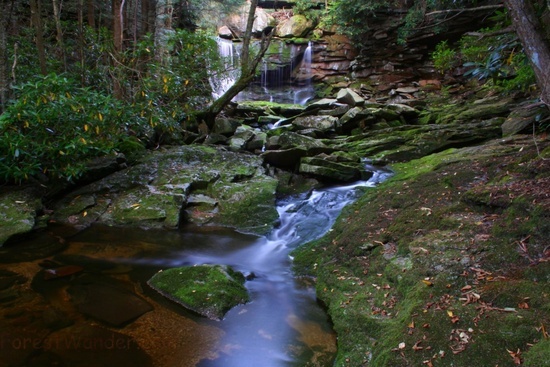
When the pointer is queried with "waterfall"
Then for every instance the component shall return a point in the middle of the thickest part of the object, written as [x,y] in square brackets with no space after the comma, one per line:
[302,95]
[230,58]
[285,74]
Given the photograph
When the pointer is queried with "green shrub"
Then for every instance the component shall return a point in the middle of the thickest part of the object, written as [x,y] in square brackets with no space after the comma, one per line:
[444,57]
[54,127]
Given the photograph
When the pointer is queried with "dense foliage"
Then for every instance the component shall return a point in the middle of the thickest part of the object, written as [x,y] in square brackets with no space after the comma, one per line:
[96,100]
[493,56]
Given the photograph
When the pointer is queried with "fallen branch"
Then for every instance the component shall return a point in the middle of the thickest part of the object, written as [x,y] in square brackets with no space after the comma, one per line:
[481,35]
[478,8]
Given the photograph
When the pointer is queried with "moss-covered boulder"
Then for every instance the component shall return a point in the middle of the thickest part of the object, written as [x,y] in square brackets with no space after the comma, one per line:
[18,211]
[210,291]
[155,193]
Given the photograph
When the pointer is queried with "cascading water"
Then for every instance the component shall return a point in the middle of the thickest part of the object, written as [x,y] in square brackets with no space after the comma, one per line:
[285,74]
[231,60]
[281,326]
[304,94]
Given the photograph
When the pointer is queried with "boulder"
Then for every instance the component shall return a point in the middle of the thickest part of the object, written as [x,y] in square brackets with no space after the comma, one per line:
[349,97]
[284,158]
[522,119]
[240,139]
[226,126]
[295,27]
[154,193]
[111,304]
[350,119]
[319,122]
[237,21]
[208,290]
[225,32]
[326,169]
[18,212]
[290,139]
[257,142]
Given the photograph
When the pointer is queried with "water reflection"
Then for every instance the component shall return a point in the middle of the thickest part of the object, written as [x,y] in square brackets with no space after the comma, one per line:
[282,325]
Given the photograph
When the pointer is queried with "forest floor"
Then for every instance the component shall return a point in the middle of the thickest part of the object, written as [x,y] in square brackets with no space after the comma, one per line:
[445,264]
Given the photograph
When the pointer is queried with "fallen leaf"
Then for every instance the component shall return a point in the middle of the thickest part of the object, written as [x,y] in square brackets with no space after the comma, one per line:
[416,346]
[427,282]
[516,356]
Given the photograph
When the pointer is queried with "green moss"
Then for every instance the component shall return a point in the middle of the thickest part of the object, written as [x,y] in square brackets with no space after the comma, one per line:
[248,205]
[538,355]
[208,290]
[393,268]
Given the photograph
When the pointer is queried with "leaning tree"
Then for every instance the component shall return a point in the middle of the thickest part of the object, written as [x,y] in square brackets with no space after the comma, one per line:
[249,64]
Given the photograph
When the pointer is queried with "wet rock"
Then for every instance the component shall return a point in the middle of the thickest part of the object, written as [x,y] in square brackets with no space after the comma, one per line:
[404,110]
[483,110]
[43,246]
[91,345]
[350,120]
[257,142]
[62,271]
[107,302]
[214,138]
[225,32]
[338,111]
[55,319]
[9,279]
[210,291]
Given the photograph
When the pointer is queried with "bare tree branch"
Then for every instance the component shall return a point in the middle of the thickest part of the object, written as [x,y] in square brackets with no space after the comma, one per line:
[478,8]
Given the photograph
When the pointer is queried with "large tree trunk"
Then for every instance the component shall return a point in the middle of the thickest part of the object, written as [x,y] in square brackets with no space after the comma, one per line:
[118,24]
[5,14]
[90,4]
[59,31]
[36,18]
[537,48]
[248,70]
[118,33]
[163,29]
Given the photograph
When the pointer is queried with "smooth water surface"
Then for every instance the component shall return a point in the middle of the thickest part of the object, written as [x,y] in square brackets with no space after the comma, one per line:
[283,325]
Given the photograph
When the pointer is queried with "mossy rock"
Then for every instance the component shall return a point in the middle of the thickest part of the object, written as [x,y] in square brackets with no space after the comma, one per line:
[17,213]
[208,290]
[398,272]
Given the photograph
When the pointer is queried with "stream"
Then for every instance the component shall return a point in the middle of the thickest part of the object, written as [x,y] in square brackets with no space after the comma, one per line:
[283,325]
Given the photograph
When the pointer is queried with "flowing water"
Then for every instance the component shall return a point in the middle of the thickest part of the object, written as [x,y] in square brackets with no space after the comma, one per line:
[288,83]
[283,325]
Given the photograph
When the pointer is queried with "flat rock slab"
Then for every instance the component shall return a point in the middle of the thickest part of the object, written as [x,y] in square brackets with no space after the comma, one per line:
[90,346]
[208,290]
[107,303]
